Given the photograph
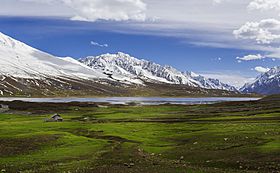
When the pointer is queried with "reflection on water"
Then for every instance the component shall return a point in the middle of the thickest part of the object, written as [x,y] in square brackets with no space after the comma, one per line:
[138,100]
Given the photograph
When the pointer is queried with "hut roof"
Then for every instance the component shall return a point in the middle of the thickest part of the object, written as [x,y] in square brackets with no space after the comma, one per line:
[56,115]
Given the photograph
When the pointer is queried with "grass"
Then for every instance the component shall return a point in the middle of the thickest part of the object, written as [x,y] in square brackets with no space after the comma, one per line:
[224,137]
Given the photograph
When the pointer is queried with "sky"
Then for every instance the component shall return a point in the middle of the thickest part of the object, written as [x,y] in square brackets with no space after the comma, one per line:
[232,40]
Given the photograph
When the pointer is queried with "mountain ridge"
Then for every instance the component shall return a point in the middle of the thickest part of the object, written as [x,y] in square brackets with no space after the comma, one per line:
[122,64]
[26,71]
[267,83]
[21,60]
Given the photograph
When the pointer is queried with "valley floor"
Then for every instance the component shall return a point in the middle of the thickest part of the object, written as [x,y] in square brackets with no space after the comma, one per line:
[225,137]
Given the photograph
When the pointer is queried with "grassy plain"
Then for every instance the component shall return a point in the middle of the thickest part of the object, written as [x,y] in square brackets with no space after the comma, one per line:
[224,137]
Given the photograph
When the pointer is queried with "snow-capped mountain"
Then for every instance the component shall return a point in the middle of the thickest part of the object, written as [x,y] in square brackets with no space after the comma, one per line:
[22,61]
[26,71]
[124,66]
[266,83]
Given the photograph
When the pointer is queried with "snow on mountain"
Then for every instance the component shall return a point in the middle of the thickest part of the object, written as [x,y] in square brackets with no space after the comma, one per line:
[122,65]
[210,83]
[266,83]
[26,70]
[22,61]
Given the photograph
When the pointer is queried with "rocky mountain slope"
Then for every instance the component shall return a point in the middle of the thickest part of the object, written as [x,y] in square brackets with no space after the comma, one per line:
[124,66]
[26,71]
[267,83]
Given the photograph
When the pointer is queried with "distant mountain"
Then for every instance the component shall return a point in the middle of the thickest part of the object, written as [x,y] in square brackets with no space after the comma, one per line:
[124,66]
[267,83]
[26,71]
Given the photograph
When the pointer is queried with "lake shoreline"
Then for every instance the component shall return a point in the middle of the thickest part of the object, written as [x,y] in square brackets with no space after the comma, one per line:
[134,100]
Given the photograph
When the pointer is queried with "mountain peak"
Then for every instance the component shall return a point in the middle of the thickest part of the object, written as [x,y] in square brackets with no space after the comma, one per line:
[266,83]
[128,67]
[7,41]
[274,70]
[22,61]
[123,54]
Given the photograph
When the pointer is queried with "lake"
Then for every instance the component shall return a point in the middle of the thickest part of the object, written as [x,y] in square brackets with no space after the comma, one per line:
[138,100]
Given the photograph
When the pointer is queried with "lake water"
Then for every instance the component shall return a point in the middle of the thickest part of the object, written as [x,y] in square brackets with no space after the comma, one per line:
[138,100]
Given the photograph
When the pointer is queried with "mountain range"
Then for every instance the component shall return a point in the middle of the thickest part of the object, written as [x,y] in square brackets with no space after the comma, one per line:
[122,66]
[26,71]
[267,83]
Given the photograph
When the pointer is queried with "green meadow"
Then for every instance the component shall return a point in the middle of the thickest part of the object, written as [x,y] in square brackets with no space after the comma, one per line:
[224,137]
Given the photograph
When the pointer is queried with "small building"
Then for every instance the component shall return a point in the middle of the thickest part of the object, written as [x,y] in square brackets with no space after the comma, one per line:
[57,117]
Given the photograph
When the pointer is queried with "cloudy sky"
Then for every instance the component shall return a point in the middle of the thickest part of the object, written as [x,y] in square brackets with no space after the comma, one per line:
[233,40]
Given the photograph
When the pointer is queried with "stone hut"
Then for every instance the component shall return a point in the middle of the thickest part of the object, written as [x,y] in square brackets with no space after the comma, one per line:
[56,117]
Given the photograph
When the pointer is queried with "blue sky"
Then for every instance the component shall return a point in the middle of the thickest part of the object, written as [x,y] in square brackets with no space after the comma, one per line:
[204,44]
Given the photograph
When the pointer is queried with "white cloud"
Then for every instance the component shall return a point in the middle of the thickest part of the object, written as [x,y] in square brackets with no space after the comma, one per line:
[183,12]
[264,32]
[208,23]
[98,44]
[93,10]
[261,69]
[264,5]
[251,57]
